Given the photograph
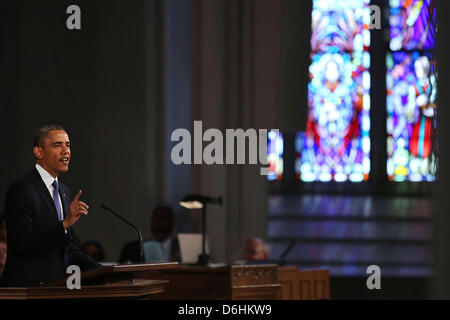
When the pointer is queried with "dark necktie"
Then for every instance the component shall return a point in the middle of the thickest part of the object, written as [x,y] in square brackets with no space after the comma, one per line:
[56,199]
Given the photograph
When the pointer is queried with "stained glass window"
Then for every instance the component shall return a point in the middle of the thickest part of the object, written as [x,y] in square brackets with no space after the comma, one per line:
[299,140]
[411,91]
[275,155]
[336,143]
[412,24]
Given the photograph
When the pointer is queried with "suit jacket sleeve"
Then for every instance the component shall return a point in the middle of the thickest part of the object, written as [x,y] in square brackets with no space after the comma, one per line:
[23,234]
[75,255]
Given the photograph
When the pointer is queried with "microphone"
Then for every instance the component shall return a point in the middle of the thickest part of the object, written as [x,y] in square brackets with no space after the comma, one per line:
[291,245]
[131,225]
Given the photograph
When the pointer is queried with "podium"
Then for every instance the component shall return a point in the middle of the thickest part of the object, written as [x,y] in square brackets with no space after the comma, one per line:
[171,281]
[303,284]
[119,273]
[235,282]
[106,282]
[138,289]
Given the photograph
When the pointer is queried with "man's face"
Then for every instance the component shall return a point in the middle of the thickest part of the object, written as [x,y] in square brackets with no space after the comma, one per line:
[254,250]
[161,227]
[54,154]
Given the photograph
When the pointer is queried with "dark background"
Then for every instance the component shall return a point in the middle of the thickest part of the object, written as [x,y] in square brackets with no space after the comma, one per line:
[103,84]
[139,69]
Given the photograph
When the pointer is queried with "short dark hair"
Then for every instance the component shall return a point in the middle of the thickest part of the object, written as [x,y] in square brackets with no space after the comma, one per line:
[96,244]
[164,212]
[42,132]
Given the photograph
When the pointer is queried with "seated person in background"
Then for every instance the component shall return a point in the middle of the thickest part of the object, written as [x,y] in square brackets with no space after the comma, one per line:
[161,226]
[256,249]
[94,250]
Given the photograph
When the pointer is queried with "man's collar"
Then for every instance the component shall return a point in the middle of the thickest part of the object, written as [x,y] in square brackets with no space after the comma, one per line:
[46,177]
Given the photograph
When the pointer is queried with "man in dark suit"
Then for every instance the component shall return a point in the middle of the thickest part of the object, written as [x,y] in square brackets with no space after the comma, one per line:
[39,215]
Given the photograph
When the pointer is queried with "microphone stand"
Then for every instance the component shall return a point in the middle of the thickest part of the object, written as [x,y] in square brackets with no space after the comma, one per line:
[282,262]
[141,247]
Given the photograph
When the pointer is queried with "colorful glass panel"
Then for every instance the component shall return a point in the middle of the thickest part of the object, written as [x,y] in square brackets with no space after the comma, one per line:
[336,143]
[411,116]
[275,155]
[411,91]
[412,24]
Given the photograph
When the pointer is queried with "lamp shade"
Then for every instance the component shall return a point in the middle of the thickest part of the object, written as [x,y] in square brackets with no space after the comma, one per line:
[197,201]
[191,204]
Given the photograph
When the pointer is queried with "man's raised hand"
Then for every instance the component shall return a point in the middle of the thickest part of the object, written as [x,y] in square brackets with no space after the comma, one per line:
[76,209]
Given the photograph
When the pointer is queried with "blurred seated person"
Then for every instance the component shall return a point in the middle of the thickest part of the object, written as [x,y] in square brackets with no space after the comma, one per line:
[161,226]
[256,249]
[94,250]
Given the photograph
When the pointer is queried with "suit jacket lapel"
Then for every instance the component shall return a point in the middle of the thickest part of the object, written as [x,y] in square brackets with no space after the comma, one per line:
[65,199]
[45,195]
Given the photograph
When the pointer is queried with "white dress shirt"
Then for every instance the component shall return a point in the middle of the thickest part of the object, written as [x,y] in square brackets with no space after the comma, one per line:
[48,181]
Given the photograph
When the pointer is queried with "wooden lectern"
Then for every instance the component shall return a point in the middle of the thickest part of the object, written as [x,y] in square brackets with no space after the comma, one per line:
[301,284]
[115,281]
[169,281]
[245,282]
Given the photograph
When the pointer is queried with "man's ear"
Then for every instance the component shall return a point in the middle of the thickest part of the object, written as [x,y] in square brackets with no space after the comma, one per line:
[37,152]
